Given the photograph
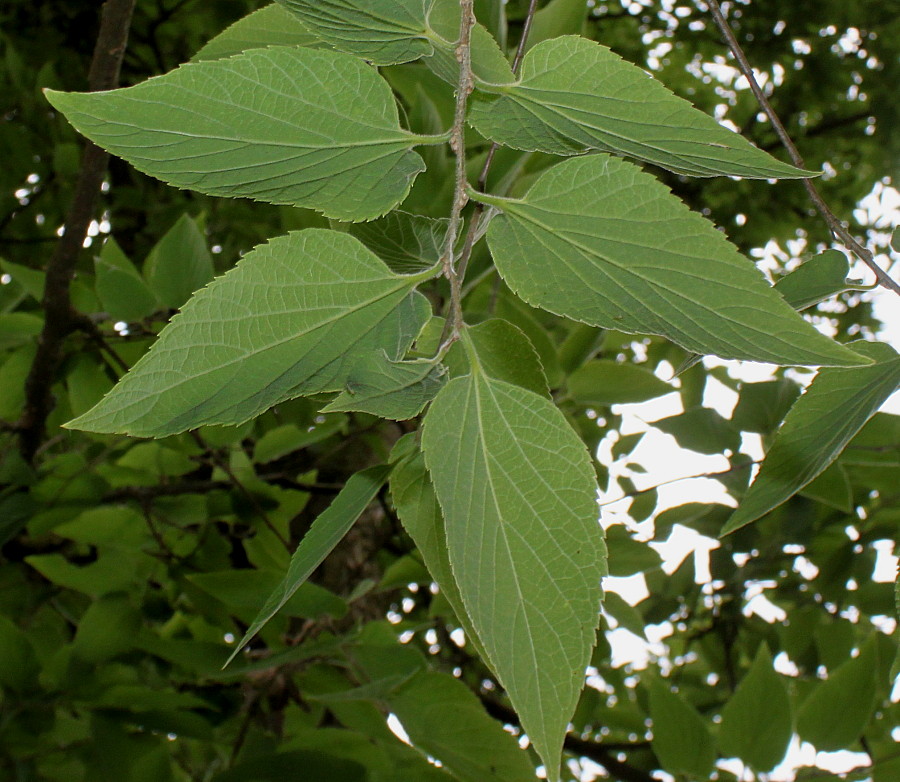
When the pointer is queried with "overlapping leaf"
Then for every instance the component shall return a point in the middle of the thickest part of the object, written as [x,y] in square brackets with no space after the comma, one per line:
[518,495]
[398,390]
[405,242]
[324,534]
[292,318]
[286,125]
[272,25]
[575,95]
[819,278]
[598,240]
[834,408]
[681,738]
[385,32]
[756,721]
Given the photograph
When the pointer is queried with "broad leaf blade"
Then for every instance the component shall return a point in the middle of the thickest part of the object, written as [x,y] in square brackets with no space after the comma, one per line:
[272,25]
[817,279]
[324,534]
[598,240]
[179,264]
[420,514]
[575,95]
[406,242]
[756,721]
[120,288]
[834,408]
[838,710]
[444,718]
[291,319]
[518,494]
[504,353]
[603,382]
[384,32]
[286,125]
[398,390]
[681,739]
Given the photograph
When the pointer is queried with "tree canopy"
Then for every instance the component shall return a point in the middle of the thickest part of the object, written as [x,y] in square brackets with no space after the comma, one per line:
[348,350]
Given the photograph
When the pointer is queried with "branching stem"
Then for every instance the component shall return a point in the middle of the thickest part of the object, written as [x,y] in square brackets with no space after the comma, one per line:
[834,224]
[464,87]
[473,231]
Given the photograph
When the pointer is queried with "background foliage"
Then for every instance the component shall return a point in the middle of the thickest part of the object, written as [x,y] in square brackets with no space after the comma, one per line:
[129,568]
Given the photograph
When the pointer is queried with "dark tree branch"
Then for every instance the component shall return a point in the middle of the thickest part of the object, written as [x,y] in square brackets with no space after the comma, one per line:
[604,754]
[60,318]
[834,224]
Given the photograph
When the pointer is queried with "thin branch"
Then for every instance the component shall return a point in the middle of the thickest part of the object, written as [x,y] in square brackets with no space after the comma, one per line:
[473,231]
[464,87]
[834,224]
[60,318]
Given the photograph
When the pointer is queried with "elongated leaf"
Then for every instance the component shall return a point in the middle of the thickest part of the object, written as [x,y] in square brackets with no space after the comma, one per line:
[291,319]
[575,95]
[384,32]
[444,718]
[761,407]
[600,241]
[420,514]
[756,721]
[120,288]
[286,125]
[518,494]
[681,739]
[179,264]
[405,242]
[838,710]
[272,25]
[398,390]
[817,279]
[324,534]
[603,382]
[834,408]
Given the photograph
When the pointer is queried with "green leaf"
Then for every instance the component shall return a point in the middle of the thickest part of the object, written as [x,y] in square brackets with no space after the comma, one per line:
[179,263]
[518,494]
[819,278]
[384,32]
[832,487]
[701,429]
[324,534]
[628,556]
[31,280]
[504,353]
[839,708]
[108,628]
[558,17]
[20,665]
[598,240]
[575,95]
[444,718]
[291,319]
[283,767]
[120,288]
[625,614]
[602,383]
[834,408]
[272,25]
[407,243]
[756,721]
[286,125]
[398,390]
[681,739]
[419,512]
[761,407]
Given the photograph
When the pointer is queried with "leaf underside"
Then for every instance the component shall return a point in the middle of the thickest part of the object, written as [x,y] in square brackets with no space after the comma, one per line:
[834,408]
[518,494]
[291,319]
[598,240]
[575,95]
[298,126]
